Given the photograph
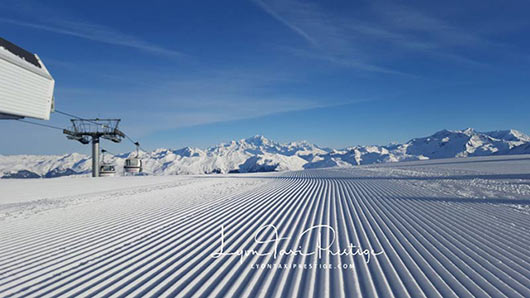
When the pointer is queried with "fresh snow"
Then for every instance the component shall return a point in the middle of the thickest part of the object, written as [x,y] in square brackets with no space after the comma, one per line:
[435,228]
[259,154]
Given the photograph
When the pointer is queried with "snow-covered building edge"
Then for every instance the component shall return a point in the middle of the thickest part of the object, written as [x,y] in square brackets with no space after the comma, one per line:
[259,154]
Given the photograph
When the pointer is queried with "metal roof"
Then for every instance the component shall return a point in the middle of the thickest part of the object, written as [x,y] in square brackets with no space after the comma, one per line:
[20,52]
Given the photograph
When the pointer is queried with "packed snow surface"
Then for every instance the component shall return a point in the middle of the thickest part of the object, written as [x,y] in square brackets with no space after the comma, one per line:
[259,154]
[437,228]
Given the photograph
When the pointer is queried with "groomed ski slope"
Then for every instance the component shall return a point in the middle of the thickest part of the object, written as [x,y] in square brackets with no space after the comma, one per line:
[164,238]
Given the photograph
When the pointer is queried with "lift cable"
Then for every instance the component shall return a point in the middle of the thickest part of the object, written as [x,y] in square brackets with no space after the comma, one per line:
[40,124]
[135,143]
[67,114]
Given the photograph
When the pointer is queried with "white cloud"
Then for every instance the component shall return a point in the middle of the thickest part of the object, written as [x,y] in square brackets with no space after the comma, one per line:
[373,40]
[96,33]
[198,98]
[284,21]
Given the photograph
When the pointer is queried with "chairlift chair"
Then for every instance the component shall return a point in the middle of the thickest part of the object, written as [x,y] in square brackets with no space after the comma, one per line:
[133,164]
[106,169]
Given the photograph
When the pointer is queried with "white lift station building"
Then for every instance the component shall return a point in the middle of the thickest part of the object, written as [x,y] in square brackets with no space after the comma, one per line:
[26,86]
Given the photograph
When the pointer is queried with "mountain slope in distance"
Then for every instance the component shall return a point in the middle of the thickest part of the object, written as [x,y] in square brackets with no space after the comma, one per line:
[259,154]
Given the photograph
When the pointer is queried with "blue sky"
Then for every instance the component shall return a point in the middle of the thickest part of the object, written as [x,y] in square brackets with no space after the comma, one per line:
[334,73]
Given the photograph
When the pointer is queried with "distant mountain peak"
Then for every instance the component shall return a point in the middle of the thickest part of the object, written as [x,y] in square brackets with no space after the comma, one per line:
[445,132]
[258,153]
[509,135]
[469,131]
[257,140]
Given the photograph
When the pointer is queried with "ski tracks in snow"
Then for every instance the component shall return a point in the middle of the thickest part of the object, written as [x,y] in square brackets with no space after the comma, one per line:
[158,245]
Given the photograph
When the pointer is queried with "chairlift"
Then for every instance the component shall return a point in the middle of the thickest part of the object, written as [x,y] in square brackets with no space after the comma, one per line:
[106,169]
[133,164]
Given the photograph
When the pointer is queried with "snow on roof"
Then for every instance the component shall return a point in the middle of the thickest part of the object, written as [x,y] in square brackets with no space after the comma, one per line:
[20,52]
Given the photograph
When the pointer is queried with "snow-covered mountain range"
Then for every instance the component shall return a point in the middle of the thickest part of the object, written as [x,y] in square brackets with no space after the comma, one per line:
[259,154]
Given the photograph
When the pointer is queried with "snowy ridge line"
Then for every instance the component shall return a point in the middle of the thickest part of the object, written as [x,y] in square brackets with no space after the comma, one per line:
[259,154]
[433,246]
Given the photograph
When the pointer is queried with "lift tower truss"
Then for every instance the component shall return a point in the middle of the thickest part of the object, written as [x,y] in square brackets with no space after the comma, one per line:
[92,130]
